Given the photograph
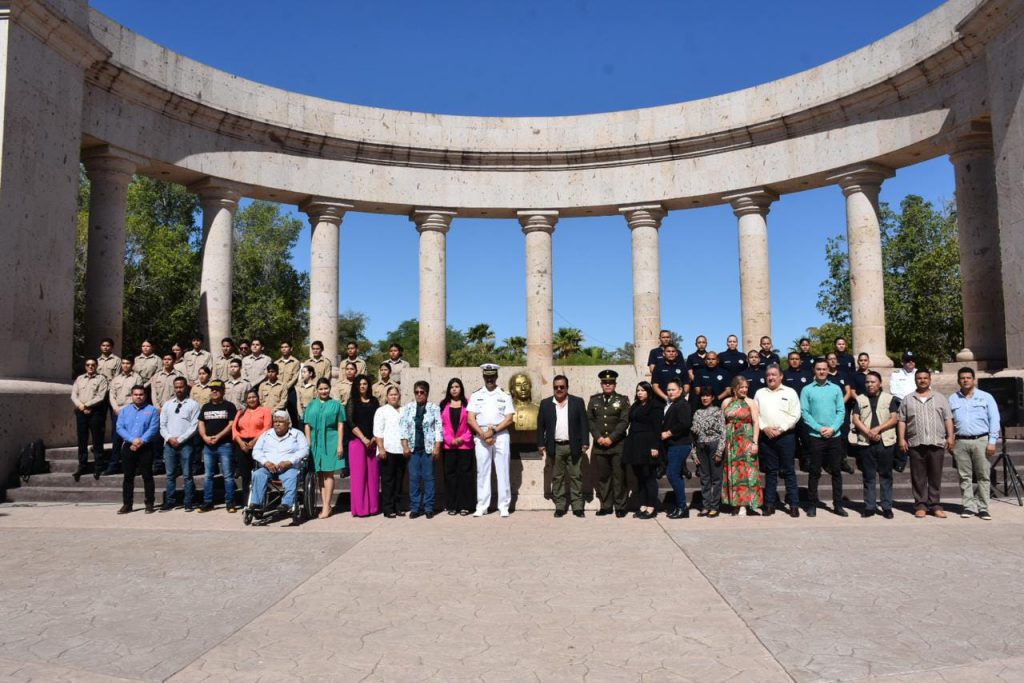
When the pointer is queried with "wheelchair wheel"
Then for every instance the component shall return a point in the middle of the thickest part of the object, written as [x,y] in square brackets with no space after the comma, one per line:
[310,494]
[246,516]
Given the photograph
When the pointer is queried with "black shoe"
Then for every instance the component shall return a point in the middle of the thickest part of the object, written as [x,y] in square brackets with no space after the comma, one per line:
[812,511]
[150,508]
[676,513]
[109,472]
[602,513]
[208,507]
[125,509]
[847,466]
[620,513]
[465,513]
[189,508]
[559,513]
[579,513]
[713,513]
[166,507]
[414,515]
[78,474]
[96,474]
[769,511]
[867,513]
[687,473]
[430,515]
[390,515]
[453,512]
[646,515]
[840,510]
[702,513]
[401,513]
[684,513]
[794,511]
[887,514]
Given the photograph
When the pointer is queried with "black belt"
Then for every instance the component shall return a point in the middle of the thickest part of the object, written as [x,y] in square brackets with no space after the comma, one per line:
[976,436]
[561,443]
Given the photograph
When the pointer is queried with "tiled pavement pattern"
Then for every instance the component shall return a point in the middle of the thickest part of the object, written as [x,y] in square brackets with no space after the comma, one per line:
[86,595]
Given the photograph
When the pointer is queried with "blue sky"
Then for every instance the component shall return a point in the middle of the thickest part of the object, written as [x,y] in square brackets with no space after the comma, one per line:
[553,58]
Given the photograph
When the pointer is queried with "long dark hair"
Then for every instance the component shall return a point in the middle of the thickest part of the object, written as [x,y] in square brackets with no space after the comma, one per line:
[646,386]
[353,398]
[448,392]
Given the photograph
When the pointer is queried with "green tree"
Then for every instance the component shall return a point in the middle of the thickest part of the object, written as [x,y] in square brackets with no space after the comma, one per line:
[352,327]
[479,334]
[270,298]
[921,264]
[567,342]
[823,338]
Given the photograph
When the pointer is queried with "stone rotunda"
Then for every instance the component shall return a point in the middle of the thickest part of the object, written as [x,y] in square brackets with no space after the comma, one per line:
[76,87]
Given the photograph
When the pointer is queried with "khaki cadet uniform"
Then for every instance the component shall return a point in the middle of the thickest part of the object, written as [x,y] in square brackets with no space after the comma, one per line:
[147,366]
[221,366]
[235,391]
[609,417]
[273,395]
[120,389]
[380,390]
[254,368]
[161,387]
[92,393]
[396,369]
[304,395]
[108,366]
[360,365]
[288,371]
[321,368]
[200,393]
[179,368]
[342,390]
[195,360]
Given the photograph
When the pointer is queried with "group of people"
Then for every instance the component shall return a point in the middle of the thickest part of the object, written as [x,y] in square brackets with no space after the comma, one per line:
[741,420]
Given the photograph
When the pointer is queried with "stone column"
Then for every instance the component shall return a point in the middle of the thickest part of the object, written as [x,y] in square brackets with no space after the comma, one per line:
[219,199]
[861,185]
[977,220]
[644,221]
[751,207]
[433,226]
[538,227]
[110,171]
[325,216]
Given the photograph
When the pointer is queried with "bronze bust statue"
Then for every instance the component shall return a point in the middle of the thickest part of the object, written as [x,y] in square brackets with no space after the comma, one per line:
[521,389]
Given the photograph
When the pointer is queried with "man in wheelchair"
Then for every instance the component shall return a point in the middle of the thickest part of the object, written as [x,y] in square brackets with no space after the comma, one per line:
[280,454]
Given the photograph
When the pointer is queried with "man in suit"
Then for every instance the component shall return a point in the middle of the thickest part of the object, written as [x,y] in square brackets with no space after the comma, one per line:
[563,434]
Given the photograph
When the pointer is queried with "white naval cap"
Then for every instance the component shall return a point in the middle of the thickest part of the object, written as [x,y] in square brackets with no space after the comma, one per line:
[490,369]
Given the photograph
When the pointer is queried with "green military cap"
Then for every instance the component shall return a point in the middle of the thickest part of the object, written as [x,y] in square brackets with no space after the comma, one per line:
[608,375]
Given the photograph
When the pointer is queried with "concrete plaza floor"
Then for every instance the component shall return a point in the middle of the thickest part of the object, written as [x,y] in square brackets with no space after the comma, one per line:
[86,595]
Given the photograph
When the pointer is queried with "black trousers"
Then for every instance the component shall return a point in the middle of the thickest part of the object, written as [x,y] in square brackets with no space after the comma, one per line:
[926,475]
[646,485]
[392,474]
[460,479]
[133,463]
[827,453]
[90,425]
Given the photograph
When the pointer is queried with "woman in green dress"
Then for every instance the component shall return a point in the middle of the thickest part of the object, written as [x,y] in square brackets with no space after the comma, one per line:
[325,427]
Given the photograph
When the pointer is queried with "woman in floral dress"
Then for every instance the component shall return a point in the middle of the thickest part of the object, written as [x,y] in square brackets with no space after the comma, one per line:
[741,477]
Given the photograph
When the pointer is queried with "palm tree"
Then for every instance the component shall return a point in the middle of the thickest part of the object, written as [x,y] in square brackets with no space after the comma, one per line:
[515,346]
[567,341]
[478,334]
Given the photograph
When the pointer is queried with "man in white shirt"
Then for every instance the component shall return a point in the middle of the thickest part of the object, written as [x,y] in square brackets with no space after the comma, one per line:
[489,414]
[902,381]
[179,421]
[279,452]
[779,412]
[563,436]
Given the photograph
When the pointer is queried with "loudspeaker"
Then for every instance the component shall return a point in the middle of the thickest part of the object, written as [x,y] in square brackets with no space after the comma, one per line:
[1009,395]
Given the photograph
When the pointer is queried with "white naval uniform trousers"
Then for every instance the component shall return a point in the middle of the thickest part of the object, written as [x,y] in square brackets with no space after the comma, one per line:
[499,454]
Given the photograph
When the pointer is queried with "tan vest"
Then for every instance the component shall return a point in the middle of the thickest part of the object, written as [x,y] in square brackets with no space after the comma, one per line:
[882,410]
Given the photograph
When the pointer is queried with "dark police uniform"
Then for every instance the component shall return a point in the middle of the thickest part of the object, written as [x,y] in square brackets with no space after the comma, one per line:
[656,356]
[842,379]
[807,361]
[666,371]
[608,416]
[847,363]
[859,382]
[715,378]
[797,380]
[696,360]
[733,362]
[755,377]
[769,358]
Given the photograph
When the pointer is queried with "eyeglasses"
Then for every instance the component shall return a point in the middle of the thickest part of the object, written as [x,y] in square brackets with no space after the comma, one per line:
[420,392]
[559,387]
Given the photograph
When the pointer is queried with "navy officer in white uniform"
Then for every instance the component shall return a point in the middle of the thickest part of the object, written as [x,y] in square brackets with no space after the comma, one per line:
[490,413]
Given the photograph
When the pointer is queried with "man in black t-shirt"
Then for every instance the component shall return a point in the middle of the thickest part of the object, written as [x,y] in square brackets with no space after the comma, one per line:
[215,419]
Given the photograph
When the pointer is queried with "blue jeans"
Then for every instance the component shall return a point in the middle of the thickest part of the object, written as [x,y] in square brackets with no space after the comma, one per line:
[421,482]
[779,455]
[173,459]
[289,479]
[225,454]
[676,461]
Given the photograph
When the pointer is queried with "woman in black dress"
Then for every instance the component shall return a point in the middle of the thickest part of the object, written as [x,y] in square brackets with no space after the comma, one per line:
[642,448]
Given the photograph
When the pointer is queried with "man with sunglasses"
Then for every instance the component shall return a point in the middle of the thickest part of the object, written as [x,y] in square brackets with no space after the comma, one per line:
[89,394]
[179,421]
[564,435]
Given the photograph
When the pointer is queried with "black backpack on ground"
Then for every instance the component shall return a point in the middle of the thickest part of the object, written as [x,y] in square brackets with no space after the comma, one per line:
[32,460]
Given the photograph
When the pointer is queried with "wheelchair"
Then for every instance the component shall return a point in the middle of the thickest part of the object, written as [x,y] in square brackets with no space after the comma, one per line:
[307,499]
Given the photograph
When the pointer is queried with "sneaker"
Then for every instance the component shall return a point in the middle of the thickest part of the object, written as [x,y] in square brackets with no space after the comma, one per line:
[166,507]
[967,514]
[206,507]
[478,513]
[504,513]
[189,508]
[231,509]
[985,516]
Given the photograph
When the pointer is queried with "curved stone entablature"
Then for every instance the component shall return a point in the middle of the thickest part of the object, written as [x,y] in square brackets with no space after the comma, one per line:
[894,102]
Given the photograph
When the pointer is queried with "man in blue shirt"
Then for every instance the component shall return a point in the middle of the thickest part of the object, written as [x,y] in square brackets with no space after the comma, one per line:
[138,424]
[712,378]
[822,408]
[656,355]
[977,427]
[670,367]
[697,359]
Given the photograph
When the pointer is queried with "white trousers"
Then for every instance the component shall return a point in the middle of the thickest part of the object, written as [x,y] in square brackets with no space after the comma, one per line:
[498,454]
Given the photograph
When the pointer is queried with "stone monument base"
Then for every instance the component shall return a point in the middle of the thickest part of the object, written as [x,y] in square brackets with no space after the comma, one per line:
[33,410]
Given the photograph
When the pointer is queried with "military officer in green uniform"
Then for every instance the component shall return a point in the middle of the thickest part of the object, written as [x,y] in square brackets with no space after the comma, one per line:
[608,415]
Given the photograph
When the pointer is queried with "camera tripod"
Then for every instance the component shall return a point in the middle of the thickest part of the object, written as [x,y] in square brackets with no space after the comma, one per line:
[1011,479]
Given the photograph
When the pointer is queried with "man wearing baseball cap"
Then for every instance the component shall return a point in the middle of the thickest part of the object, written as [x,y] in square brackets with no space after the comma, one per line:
[215,420]
[902,381]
